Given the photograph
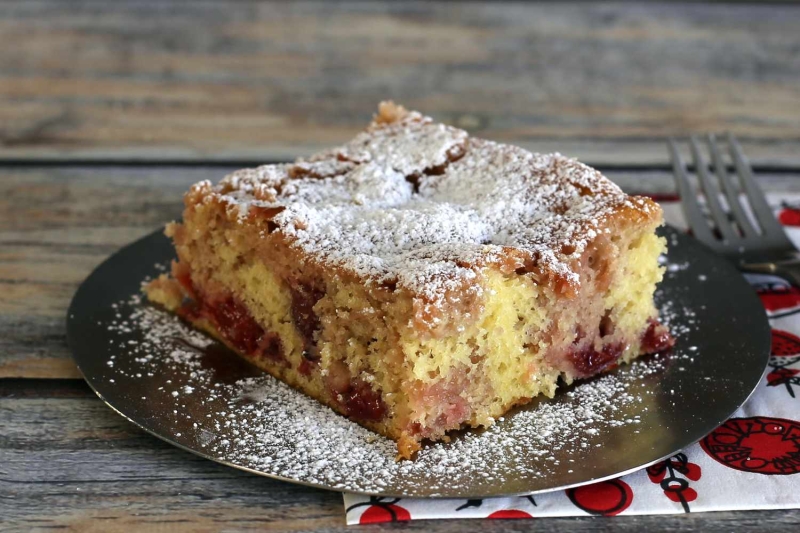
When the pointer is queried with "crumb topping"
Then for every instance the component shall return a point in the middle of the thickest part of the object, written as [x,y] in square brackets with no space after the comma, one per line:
[421,205]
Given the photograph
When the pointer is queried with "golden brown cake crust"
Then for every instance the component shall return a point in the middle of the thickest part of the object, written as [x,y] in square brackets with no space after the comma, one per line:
[421,207]
[419,280]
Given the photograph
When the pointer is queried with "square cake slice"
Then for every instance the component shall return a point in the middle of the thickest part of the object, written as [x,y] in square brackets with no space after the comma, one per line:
[418,280]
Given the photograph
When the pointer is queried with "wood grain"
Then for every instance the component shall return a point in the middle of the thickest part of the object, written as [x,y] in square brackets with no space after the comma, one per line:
[225,81]
[57,224]
[68,462]
[96,98]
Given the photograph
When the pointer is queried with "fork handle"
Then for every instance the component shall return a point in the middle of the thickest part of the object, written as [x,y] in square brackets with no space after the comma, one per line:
[789,269]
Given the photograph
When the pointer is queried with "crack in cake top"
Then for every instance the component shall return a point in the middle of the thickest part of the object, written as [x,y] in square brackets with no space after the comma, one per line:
[424,206]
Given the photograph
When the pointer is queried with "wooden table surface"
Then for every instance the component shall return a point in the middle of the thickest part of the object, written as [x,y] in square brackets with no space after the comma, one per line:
[108,111]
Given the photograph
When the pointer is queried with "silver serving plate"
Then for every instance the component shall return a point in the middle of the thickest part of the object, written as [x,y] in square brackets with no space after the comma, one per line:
[722,349]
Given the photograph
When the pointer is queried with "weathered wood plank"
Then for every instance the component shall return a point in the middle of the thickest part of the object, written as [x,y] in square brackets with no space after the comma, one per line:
[68,462]
[215,80]
[57,224]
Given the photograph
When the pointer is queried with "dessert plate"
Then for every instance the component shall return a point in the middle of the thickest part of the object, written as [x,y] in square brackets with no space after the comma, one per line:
[188,390]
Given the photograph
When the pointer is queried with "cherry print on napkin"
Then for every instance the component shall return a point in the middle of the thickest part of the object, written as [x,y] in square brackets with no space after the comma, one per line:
[783,361]
[469,504]
[789,215]
[478,502]
[758,444]
[780,298]
[673,475]
[509,513]
[380,509]
[606,498]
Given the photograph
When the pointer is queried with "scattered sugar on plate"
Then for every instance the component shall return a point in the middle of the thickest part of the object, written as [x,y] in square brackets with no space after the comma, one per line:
[262,424]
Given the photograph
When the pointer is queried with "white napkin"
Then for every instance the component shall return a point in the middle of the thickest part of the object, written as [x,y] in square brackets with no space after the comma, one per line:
[750,462]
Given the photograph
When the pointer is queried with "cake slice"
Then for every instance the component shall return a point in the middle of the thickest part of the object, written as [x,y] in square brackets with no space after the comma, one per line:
[418,280]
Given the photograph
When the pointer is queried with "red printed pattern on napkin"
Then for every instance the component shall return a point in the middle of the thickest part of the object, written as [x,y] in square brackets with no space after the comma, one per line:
[673,476]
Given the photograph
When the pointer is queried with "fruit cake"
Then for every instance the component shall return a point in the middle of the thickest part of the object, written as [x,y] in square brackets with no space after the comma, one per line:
[419,280]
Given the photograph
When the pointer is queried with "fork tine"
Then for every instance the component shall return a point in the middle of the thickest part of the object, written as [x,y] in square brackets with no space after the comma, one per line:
[697,222]
[712,194]
[731,191]
[756,198]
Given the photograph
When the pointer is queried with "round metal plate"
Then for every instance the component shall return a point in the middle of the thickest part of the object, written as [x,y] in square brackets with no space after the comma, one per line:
[722,349]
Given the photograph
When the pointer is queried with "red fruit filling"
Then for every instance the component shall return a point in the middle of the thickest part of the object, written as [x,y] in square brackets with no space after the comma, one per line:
[656,338]
[357,398]
[589,361]
[183,275]
[236,325]
[307,366]
[270,347]
[363,403]
[446,396]
[304,298]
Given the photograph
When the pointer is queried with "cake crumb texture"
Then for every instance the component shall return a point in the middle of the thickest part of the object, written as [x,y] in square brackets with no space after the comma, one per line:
[419,280]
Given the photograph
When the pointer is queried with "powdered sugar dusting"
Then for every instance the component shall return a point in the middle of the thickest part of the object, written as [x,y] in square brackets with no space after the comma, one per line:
[320,447]
[165,341]
[420,204]
[255,421]
[408,145]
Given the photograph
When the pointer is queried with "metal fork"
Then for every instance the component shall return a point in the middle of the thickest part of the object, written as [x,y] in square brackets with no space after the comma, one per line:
[755,244]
